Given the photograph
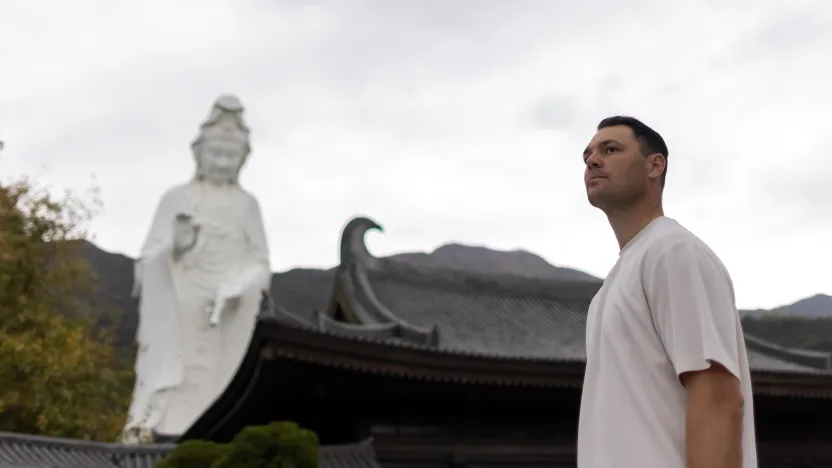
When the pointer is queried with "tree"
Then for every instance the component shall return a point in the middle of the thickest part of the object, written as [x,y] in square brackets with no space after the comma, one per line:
[59,378]
[277,445]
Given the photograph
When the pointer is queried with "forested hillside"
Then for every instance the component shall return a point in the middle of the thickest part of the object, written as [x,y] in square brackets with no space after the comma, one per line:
[303,290]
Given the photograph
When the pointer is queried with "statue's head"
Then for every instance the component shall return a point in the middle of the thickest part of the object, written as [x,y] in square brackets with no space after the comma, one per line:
[222,146]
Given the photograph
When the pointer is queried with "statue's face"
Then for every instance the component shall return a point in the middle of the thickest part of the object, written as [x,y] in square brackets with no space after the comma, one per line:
[220,160]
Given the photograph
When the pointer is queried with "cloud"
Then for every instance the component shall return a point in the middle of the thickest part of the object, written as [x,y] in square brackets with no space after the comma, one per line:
[556,112]
[444,121]
[800,186]
[785,32]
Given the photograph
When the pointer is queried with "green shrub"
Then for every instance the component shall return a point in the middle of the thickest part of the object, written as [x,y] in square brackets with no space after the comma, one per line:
[194,454]
[277,445]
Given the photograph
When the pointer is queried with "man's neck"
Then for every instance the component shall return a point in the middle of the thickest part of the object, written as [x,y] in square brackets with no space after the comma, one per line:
[627,223]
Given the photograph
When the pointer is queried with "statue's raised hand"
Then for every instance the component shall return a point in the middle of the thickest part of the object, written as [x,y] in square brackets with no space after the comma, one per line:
[185,234]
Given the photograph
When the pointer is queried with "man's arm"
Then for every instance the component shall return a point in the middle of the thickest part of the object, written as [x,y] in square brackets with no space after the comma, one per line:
[714,418]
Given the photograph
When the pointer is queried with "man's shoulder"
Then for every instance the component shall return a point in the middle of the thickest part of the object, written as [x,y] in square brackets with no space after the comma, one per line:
[670,235]
[673,244]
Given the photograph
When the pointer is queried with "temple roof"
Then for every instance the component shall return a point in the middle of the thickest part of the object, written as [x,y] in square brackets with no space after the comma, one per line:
[491,315]
[406,320]
[27,451]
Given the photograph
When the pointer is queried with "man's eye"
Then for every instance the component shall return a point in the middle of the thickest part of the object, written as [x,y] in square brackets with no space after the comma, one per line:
[610,149]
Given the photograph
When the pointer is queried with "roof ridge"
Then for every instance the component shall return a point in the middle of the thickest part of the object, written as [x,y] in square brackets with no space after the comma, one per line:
[352,279]
[79,444]
[35,439]
[800,351]
[370,336]
[817,359]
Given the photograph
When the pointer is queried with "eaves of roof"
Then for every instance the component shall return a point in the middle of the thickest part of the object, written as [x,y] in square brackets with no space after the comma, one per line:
[406,360]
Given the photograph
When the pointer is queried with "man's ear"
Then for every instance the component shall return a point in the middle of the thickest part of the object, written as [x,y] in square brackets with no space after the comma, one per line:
[656,163]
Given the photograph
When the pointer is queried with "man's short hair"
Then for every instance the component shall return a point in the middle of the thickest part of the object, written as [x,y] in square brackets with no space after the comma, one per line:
[649,139]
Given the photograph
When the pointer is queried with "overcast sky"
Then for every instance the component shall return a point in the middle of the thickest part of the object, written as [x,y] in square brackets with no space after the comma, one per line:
[442,120]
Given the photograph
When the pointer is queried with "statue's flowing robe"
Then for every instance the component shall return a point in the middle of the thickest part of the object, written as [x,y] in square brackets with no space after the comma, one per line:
[183,364]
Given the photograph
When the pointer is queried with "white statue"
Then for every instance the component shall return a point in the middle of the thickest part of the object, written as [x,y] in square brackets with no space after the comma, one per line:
[199,279]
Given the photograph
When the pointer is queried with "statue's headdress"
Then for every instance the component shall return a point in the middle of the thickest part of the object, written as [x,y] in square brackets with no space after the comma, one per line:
[224,122]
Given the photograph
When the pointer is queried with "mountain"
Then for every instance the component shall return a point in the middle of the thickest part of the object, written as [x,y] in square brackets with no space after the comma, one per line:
[806,324]
[113,296]
[303,290]
[817,306]
[475,259]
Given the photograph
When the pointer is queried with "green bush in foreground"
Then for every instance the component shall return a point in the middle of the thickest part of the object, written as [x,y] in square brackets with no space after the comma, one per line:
[194,454]
[277,445]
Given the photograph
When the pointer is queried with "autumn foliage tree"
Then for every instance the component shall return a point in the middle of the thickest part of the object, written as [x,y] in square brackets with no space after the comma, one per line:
[57,377]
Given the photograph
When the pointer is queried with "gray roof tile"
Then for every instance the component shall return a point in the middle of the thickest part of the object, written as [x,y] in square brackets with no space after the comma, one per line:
[528,327]
[405,303]
[360,455]
[522,318]
[27,451]
[762,362]
[21,450]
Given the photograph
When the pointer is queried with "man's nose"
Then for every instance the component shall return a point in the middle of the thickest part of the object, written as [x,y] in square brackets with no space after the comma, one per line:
[593,160]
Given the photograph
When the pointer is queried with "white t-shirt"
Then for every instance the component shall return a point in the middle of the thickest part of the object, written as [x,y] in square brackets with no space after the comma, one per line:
[667,307]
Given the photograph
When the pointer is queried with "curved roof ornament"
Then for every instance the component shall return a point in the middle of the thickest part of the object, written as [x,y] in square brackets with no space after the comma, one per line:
[353,248]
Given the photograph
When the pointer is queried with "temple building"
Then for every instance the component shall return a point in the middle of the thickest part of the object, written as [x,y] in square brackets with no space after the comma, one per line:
[415,366]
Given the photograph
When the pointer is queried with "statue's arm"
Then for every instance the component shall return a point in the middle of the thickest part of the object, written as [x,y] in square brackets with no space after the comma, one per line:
[257,273]
[159,238]
[258,245]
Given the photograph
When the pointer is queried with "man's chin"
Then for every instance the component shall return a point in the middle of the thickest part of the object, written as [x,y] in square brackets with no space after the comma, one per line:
[600,200]
[595,199]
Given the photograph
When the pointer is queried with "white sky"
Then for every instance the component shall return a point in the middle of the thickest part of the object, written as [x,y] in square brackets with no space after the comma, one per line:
[444,121]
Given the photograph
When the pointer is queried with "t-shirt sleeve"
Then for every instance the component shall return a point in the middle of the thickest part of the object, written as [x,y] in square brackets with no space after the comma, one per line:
[691,299]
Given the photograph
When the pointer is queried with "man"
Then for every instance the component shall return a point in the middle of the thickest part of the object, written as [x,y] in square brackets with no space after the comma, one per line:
[667,383]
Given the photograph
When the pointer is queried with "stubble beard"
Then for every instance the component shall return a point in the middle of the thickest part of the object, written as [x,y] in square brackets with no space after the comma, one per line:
[612,201]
